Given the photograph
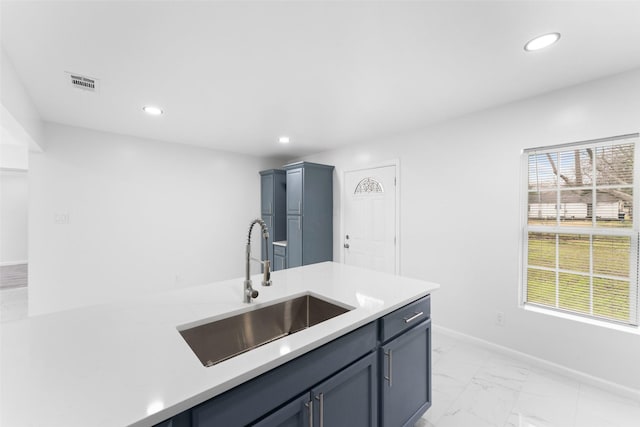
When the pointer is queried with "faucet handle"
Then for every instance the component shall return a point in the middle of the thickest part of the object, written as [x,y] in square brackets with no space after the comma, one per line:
[266,279]
[249,292]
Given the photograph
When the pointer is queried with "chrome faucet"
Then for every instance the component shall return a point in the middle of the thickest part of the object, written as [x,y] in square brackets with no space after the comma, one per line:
[249,292]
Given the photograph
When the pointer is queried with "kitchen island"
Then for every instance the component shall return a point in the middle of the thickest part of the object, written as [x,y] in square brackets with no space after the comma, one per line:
[126,363]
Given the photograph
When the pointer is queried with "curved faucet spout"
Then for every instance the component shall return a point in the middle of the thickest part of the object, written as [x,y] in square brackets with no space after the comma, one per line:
[263,226]
[249,292]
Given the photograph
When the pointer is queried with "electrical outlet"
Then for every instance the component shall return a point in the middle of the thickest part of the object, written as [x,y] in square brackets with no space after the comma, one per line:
[500,318]
[61,218]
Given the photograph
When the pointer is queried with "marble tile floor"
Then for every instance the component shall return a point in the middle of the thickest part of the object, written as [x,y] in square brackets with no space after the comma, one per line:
[13,304]
[476,387]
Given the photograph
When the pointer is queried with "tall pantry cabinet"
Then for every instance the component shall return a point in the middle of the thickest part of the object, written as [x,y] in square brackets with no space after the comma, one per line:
[309,213]
[273,207]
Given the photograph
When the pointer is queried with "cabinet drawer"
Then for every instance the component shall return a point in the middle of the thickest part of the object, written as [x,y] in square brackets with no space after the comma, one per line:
[279,250]
[404,318]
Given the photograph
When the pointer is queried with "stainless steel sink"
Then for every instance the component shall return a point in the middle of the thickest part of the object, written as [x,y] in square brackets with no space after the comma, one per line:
[219,340]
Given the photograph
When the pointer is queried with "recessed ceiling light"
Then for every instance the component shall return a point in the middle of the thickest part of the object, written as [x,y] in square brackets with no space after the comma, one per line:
[541,42]
[283,140]
[150,109]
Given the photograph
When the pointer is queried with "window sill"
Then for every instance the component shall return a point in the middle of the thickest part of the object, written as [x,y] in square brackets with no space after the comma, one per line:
[622,328]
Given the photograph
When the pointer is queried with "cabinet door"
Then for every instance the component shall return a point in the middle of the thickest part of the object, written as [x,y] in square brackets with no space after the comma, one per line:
[297,413]
[279,257]
[279,262]
[349,398]
[266,194]
[294,241]
[406,377]
[294,191]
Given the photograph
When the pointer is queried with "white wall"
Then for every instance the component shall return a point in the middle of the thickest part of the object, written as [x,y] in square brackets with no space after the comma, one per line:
[142,216]
[18,114]
[12,156]
[474,161]
[13,217]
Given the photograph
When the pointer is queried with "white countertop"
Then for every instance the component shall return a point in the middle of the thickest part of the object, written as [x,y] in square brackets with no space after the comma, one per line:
[126,364]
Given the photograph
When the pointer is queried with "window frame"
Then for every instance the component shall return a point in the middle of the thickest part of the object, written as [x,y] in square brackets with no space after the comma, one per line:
[633,233]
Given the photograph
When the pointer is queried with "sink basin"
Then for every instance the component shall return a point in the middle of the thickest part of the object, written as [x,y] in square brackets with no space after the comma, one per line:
[221,339]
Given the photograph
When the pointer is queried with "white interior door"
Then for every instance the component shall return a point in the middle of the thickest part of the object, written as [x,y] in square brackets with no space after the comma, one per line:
[369,238]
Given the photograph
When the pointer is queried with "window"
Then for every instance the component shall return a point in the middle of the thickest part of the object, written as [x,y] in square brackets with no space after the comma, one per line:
[580,230]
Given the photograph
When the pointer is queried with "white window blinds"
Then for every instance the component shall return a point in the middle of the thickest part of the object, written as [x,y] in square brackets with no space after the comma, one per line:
[580,232]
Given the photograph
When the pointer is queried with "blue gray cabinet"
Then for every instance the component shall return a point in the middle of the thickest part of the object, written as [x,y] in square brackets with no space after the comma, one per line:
[405,364]
[294,241]
[266,192]
[379,374]
[294,190]
[273,206]
[309,213]
[348,398]
[298,413]
[406,384]
[279,257]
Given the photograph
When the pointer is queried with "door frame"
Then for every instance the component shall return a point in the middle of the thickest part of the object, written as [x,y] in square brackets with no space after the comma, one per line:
[392,162]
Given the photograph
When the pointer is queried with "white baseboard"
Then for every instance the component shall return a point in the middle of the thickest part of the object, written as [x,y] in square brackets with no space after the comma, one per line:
[7,263]
[580,376]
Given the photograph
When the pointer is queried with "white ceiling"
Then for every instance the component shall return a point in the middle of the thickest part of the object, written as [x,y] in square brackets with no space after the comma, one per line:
[236,75]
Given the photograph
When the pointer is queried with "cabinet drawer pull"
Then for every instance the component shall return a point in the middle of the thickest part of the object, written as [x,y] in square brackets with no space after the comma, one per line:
[389,376]
[320,397]
[414,317]
[309,405]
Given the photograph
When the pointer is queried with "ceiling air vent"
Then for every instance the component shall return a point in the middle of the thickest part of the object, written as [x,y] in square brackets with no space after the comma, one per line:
[83,82]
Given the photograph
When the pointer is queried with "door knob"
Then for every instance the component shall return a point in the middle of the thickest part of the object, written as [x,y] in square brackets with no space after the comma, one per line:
[346,245]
